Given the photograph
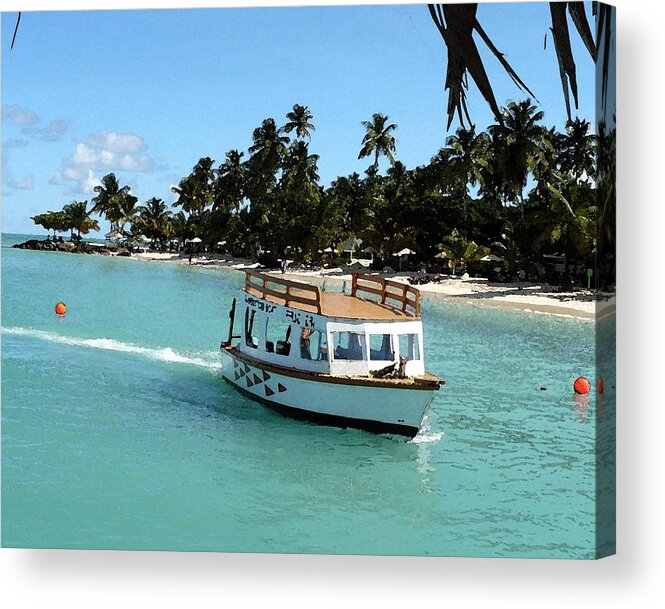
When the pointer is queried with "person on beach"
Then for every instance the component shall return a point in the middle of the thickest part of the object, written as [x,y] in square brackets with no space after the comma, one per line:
[282,265]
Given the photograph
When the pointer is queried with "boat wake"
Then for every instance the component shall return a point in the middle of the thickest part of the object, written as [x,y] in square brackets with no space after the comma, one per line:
[109,344]
[427,437]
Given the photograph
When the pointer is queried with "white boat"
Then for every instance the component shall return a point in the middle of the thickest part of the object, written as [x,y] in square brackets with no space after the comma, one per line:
[348,360]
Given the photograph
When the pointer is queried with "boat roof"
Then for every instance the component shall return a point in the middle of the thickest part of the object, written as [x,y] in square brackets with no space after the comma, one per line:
[372,298]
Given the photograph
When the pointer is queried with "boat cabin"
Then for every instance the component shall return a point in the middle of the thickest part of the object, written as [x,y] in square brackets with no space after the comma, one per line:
[375,329]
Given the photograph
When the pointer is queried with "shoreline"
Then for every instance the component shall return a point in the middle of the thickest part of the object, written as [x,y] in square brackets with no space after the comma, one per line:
[522,297]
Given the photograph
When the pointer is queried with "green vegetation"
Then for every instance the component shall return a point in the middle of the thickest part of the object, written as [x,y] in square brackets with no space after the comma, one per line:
[517,192]
[73,217]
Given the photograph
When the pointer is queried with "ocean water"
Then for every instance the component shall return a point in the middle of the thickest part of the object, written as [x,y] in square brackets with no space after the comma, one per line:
[118,431]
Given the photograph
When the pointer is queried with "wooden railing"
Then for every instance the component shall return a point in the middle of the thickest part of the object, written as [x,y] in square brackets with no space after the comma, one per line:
[283,291]
[393,294]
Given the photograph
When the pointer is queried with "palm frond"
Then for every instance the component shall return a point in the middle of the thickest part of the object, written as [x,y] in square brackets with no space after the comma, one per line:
[18,20]
[564,53]
[457,23]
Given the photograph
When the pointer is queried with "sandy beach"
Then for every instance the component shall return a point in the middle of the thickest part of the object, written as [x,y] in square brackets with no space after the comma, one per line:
[524,296]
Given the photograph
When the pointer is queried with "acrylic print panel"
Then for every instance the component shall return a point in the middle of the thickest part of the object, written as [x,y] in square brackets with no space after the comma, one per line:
[398,223]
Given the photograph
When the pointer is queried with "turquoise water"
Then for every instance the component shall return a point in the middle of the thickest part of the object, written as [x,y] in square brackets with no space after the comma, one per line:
[118,432]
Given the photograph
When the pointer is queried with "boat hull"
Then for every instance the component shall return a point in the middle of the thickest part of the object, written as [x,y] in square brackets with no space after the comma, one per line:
[340,403]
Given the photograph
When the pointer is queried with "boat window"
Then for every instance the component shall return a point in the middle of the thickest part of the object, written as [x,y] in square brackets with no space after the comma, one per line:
[348,345]
[381,347]
[278,336]
[409,347]
[313,345]
[250,339]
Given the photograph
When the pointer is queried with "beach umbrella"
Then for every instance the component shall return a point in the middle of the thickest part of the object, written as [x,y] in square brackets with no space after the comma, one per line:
[491,258]
[195,240]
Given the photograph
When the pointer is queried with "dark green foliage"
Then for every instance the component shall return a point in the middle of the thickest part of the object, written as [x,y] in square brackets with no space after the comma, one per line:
[518,190]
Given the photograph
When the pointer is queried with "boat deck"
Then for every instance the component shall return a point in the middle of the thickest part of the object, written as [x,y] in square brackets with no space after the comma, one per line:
[336,304]
[371,298]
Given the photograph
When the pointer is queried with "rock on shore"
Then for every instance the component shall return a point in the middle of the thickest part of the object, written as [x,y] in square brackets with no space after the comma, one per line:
[72,247]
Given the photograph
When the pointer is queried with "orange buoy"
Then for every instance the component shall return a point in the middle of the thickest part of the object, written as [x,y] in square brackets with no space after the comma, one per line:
[601,385]
[60,309]
[582,385]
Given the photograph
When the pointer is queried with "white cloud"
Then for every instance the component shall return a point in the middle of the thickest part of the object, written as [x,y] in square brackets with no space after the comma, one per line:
[27,183]
[116,142]
[141,163]
[102,152]
[83,155]
[88,182]
[19,116]
[54,132]
[81,181]
[27,120]
[14,143]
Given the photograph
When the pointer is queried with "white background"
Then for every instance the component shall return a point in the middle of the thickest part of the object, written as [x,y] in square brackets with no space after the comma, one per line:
[30,578]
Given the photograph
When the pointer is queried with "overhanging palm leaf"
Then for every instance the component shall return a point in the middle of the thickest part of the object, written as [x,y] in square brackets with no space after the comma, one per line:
[457,23]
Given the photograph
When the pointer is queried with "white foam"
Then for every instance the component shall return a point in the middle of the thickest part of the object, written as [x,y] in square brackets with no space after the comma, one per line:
[166,354]
[425,435]
[427,438]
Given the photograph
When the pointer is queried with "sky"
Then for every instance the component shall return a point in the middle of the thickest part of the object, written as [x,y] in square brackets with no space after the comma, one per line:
[146,93]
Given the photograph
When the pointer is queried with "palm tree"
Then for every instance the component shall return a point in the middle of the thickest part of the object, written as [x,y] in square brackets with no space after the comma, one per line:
[578,149]
[107,196]
[467,152]
[568,223]
[544,167]
[181,229]
[519,138]
[116,204]
[606,204]
[300,169]
[378,139]
[155,220]
[196,191]
[127,211]
[299,120]
[78,218]
[186,192]
[230,184]
[460,251]
[269,145]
